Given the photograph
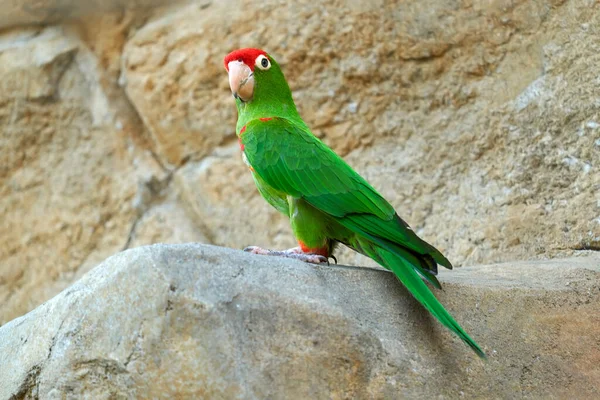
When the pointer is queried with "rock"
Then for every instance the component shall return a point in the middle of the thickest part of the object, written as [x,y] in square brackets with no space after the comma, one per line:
[221,197]
[198,321]
[26,12]
[166,222]
[62,205]
[176,84]
[478,123]
[75,174]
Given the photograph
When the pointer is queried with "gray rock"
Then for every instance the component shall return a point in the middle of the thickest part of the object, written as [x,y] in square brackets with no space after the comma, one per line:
[206,322]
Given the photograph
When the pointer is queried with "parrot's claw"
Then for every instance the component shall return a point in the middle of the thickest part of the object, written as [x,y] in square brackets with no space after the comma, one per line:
[291,253]
[256,250]
[310,258]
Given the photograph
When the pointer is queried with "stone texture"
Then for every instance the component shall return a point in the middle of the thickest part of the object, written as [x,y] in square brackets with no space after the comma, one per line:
[177,84]
[166,222]
[59,197]
[25,12]
[479,121]
[221,194]
[198,321]
[75,173]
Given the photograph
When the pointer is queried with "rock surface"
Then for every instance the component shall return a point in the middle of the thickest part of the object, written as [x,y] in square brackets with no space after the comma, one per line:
[479,121]
[31,12]
[77,183]
[198,321]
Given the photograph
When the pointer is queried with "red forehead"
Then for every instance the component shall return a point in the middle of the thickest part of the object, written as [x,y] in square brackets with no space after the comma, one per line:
[247,56]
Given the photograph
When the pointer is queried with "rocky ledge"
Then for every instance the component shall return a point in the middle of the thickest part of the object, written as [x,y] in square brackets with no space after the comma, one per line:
[206,322]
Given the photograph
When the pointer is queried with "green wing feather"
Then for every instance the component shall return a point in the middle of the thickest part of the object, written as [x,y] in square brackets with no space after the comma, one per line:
[292,160]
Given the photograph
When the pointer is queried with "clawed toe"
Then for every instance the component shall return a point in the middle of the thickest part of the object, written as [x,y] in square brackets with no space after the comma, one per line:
[314,259]
[309,258]
[257,250]
[291,253]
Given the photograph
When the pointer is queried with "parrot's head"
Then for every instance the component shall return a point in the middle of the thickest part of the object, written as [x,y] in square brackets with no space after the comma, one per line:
[255,77]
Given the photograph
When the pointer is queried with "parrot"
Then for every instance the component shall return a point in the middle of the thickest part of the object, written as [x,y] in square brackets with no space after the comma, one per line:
[326,201]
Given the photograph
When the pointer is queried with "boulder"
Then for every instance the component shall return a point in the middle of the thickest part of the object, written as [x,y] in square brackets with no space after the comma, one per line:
[478,121]
[197,321]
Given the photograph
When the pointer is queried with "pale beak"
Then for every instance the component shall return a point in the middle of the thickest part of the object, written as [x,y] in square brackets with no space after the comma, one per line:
[241,80]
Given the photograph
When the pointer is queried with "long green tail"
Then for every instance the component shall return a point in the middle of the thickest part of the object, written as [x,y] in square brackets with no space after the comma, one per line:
[408,275]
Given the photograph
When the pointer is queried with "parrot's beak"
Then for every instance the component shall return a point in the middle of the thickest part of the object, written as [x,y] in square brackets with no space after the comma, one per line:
[241,80]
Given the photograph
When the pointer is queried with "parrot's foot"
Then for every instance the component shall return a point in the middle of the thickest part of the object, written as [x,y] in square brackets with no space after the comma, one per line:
[295,252]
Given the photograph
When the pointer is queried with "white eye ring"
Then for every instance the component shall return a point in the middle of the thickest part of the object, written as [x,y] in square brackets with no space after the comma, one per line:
[262,62]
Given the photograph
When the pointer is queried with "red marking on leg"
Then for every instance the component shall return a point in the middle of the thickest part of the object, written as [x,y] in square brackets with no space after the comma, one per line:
[241,144]
[322,251]
[265,119]
[242,130]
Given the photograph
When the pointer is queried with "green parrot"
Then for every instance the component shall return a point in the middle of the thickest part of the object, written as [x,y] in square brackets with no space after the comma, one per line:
[326,201]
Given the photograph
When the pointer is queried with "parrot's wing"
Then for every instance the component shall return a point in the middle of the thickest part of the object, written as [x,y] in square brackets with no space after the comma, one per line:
[292,160]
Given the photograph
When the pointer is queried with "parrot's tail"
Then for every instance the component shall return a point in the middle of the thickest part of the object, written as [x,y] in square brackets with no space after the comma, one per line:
[410,276]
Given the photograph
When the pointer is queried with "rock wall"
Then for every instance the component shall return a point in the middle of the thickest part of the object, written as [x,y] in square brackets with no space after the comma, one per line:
[479,121]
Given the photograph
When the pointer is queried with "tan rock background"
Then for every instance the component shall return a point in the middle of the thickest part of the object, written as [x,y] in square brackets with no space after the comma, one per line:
[478,120]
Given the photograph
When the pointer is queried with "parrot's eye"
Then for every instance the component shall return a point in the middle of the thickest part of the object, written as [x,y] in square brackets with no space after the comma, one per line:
[263,62]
